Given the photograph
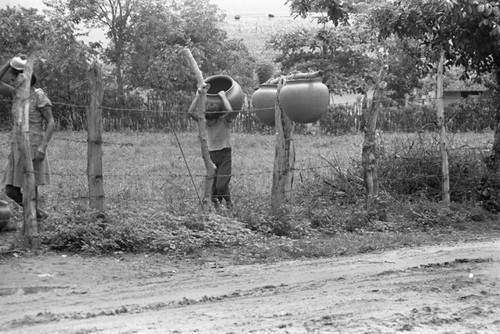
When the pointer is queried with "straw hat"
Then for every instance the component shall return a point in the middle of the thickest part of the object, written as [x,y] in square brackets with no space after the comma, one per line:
[18,63]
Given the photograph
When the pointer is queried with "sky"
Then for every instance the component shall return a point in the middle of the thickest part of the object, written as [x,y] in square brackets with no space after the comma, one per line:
[231,7]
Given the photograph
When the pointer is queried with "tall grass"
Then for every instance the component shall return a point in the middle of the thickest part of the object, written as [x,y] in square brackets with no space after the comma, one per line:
[147,168]
[152,182]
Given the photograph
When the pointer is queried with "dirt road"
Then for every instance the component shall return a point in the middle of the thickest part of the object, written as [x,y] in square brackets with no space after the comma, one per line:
[439,289]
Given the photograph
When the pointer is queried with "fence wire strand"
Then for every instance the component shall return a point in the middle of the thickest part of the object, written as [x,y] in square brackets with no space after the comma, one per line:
[189,175]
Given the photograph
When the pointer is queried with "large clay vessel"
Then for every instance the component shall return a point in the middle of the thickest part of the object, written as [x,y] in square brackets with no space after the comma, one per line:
[233,90]
[263,101]
[5,214]
[304,101]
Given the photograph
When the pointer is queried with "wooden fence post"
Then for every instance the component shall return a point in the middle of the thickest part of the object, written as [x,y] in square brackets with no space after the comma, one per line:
[369,152]
[94,135]
[442,130]
[22,153]
[197,111]
[284,158]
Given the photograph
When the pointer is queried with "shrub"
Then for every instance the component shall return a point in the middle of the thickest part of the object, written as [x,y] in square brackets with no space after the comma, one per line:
[413,168]
[82,231]
[264,71]
[472,114]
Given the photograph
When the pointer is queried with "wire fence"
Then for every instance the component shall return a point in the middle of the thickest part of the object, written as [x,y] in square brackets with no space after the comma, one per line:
[472,114]
[143,161]
[145,173]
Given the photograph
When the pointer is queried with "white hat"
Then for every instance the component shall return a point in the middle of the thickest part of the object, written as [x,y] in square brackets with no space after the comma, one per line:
[18,63]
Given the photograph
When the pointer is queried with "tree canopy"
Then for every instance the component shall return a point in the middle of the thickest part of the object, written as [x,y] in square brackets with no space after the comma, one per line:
[142,47]
[347,48]
[467,29]
[161,30]
[23,30]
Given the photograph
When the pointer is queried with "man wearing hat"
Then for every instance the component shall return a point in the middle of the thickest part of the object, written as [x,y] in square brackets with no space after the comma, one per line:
[41,126]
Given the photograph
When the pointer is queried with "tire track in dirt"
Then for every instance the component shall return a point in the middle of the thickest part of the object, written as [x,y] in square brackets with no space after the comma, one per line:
[414,290]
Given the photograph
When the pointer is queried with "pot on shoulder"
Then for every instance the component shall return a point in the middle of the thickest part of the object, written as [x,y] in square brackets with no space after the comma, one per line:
[304,101]
[233,90]
[263,101]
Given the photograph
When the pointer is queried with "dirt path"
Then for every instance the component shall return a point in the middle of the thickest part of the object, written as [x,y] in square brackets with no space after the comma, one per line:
[433,289]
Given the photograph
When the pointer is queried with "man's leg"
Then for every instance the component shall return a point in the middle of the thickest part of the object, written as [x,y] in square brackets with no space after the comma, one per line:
[224,176]
[216,199]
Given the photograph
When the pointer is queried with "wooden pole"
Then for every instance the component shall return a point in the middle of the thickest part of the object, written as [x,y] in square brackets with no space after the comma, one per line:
[284,158]
[369,152]
[197,111]
[442,130]
[94,133]
[22,153]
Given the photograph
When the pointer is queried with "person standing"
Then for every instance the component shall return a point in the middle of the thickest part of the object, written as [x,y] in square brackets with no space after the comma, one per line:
[220,147]
[41,127]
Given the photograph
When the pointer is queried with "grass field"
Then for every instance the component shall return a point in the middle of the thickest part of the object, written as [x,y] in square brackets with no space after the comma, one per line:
[153,204]
[151,167]
[256,30]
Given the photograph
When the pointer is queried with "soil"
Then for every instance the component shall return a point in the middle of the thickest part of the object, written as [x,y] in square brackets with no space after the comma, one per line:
[438,289]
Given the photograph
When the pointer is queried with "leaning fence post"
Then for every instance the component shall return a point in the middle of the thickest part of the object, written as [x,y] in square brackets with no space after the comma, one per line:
[22,153]
[197,111]
[94,135]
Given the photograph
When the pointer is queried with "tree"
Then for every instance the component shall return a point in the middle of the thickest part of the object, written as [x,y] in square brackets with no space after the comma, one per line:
[145,37]
[349,54]
[468,31]
[112,15]
[56,64]
[161,31]
[19,27]
[406,69]
[334,10]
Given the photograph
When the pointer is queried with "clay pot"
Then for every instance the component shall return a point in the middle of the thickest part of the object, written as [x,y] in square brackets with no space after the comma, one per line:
[5,214]
[263,101]
[304,101]
[233,90]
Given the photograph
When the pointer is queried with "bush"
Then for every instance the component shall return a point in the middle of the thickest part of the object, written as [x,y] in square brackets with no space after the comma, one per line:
[410,195]
[82,231]
[472,114]
[413,168]
[264,71]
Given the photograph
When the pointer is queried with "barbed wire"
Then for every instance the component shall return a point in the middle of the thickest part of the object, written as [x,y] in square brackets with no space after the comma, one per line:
[295,138]
[83,173]
[163,176]
[250,110]
[159,198]
[138,175]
